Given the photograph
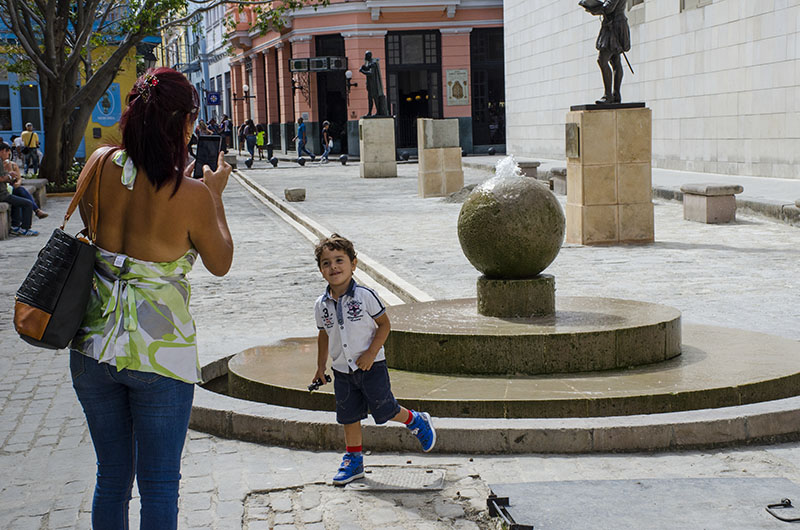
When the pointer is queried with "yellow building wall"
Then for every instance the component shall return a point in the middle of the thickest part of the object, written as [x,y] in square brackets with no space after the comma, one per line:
[126,77]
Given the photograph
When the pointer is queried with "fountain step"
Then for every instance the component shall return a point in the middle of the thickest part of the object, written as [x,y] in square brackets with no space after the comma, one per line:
[584,334]
[719,367]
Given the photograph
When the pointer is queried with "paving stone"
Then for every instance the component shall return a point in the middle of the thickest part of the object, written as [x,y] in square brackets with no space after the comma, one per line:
[280,502]
[311,516]
[309,499]
[260,525]
[284,518]
[447,509]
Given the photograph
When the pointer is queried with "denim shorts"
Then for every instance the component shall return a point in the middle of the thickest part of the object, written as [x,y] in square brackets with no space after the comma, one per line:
[360,392]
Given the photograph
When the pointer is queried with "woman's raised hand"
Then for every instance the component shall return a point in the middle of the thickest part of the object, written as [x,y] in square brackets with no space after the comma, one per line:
[217,180]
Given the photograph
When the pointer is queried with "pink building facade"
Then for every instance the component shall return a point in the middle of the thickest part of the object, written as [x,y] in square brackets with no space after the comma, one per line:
[438,59]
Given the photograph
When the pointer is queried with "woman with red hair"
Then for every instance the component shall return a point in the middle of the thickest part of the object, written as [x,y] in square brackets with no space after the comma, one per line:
[134,361]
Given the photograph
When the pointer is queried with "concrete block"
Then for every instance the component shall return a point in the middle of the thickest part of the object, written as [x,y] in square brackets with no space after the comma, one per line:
[377,148]
[634,183]
[529,168]
[231,160]
[599,185]
[636,223]
[378,169]
[558,183]
[437,134]
[37,188]
[295,194]
[598,137]
[634,135]
[713,209]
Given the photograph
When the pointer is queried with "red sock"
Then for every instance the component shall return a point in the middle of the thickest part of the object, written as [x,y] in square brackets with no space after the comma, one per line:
[353,449]
[410,418]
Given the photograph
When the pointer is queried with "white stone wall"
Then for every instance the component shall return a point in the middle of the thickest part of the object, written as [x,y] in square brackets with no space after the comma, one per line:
[723,80]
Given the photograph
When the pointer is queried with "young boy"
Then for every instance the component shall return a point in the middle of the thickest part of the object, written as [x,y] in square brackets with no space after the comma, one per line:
[353,326]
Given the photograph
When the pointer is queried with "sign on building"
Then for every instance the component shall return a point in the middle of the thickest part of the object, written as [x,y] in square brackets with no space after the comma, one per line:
[457,87]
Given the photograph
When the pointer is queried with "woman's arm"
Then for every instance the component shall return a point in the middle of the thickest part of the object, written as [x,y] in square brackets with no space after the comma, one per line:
[208,228]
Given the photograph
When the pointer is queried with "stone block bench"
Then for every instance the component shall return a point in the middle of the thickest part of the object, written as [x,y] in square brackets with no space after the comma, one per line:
[710,203]
[37,188]
[557,178]
[5,220]
[529,168]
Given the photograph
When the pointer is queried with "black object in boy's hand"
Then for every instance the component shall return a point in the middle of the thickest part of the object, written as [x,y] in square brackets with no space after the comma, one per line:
[208,148]
[318,383]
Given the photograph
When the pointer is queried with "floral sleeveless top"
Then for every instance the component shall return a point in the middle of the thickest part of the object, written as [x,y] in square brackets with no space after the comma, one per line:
[138,314]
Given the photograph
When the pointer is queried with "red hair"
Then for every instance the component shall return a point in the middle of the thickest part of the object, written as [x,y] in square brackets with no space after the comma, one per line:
[154,125]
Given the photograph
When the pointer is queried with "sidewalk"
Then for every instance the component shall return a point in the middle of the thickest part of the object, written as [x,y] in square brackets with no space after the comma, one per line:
[772,197]
[741,275]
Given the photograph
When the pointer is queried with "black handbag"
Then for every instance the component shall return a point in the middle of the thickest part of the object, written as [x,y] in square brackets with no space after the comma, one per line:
[50,304]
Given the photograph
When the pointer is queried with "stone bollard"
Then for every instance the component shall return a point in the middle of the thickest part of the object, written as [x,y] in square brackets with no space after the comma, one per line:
[231,160]
[295,194]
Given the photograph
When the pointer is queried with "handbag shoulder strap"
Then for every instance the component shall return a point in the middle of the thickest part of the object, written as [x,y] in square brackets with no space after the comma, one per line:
[89,172]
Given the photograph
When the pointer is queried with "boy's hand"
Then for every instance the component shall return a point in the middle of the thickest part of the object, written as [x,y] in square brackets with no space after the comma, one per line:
[319,376]
[365,361]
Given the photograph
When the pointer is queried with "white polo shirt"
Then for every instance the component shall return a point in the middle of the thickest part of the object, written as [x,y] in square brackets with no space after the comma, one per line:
[350,324]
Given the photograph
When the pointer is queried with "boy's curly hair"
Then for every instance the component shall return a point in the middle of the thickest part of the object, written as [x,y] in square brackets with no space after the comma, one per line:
[335,242]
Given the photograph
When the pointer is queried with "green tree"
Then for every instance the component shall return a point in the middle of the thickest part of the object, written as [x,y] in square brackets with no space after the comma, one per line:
[59,40]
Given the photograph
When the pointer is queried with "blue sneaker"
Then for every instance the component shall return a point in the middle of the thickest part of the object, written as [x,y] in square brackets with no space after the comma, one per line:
[352,468]
[422,428]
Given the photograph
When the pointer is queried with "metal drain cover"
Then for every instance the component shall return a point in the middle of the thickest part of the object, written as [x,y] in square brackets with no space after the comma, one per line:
[399,478]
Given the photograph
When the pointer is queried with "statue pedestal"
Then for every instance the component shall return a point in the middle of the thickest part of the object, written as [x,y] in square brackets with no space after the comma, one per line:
[377,147]
[440,171]
[609,184]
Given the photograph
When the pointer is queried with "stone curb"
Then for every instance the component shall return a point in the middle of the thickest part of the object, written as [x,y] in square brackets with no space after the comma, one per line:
[766,422]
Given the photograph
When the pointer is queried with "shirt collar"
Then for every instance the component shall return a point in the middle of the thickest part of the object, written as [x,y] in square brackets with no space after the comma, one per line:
[351,291]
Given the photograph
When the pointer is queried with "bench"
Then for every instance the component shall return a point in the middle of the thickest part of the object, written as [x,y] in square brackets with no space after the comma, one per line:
[5,220]
[37,188]
[529,168]
[710,203]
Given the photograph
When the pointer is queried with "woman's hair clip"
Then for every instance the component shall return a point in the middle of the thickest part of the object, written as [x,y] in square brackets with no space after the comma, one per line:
[145,84]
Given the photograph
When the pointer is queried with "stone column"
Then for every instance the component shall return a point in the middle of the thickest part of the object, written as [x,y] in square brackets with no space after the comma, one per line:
[377,145]
[456,59]
[272,100]
[609,185]
[288,129]
[440,171]
[259,89]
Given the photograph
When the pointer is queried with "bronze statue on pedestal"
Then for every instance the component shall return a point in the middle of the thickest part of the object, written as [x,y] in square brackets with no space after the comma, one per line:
[614,40]
[372,70]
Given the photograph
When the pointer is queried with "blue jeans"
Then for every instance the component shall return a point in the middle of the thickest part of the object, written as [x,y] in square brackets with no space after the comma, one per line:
[250,140]
[138,423]
[301,148]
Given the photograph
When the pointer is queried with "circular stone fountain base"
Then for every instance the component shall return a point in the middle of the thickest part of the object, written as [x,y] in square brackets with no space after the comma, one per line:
[719,367]
[584,334]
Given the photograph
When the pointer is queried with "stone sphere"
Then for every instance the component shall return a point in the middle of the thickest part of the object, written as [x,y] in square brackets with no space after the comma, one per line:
[511,227]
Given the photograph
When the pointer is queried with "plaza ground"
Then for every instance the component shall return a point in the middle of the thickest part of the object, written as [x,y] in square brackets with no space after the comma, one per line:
[741,275]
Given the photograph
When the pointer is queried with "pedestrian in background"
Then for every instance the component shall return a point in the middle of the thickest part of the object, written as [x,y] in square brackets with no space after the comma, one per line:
[30,148]
[327,140]
[301,140]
